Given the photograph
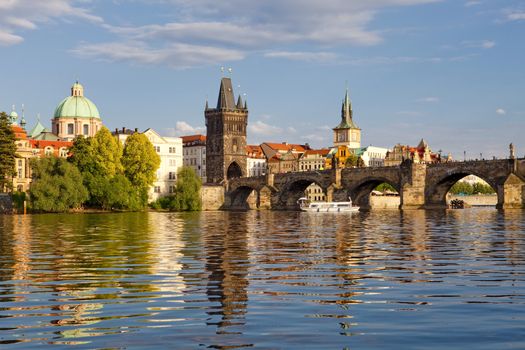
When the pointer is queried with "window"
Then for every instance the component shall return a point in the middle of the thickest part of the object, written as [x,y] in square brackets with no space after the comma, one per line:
[171,189]
[172,176]
[86,130]
[63,152]
[157,148]
[172,150]
[173,162]
[157,189]
[70,129]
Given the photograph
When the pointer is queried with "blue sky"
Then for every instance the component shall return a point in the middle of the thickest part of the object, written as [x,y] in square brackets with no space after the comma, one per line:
[451,72]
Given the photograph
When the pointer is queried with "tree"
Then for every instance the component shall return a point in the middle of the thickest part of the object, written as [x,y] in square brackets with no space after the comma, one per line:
[187,191]
[107,153]
[140,162]
[7,151]
[351,160]
[99,155]
[57,185]
[360,162]
[99,160]
[120,194]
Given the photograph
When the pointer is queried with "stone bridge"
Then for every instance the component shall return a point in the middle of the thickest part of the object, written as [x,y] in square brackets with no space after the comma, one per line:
[420,186]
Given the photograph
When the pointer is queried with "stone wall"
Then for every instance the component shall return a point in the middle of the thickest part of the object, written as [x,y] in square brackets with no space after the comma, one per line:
[212,197]
[476,200]
[6,204]
[384,202]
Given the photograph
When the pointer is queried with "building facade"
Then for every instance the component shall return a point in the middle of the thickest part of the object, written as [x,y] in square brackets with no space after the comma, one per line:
[194,154]
[419,154]
[76,115]
[373,156]
[169,150]
[226,136]
[255,161]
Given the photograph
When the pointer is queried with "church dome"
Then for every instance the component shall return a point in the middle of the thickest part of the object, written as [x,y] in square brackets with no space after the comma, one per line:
[76,105]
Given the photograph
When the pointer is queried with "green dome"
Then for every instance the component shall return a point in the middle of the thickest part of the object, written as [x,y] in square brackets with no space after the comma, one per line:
[76,105]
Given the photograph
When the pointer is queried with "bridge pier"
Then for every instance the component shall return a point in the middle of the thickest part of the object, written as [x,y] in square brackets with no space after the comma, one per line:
[513,193]
[413,186]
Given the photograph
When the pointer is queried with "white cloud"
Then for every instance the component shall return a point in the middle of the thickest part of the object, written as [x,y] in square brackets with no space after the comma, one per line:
[179,56]
[430,99]
[20,15]
[261,128]
[480,44]
[238,28]
[472,3]
[516,16]
[501,111]
[303,56]
[182,128]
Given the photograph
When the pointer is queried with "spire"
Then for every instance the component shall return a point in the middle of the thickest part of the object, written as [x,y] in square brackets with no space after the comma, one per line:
[346,110]
[246,104]
[206,106]
[226,98]
[23,120]
[239,103]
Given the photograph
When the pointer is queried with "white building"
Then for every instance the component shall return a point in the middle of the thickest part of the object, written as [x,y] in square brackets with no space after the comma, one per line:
[373,156]
[169,150]
[171,160]
[255,161]
[194,154]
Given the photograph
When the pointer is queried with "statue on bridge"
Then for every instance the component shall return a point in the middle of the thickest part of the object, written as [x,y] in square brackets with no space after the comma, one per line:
[511,149]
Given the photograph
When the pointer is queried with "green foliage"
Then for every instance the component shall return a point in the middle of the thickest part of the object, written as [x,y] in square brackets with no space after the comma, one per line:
[466,188]
[7,151]
[99,155]
[18,200]
[140,162]
[385,187]
[57,185]
[351,160]
[119,194]
[187,193]
[107,153]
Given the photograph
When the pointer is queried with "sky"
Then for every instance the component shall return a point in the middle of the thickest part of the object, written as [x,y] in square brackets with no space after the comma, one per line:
[451,72]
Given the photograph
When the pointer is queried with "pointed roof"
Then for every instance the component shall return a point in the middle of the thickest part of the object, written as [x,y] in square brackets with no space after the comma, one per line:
[346,114]
[37,129]
[422,144]
[226,98]
[239,103]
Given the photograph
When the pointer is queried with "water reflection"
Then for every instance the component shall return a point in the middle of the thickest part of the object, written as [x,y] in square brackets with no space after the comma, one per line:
[381,279]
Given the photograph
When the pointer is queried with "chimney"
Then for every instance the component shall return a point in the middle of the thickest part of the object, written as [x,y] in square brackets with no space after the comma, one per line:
[136,129]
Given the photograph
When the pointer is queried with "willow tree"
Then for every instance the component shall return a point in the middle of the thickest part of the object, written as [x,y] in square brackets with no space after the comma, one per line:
[7,151]
[140,162]
[57,185]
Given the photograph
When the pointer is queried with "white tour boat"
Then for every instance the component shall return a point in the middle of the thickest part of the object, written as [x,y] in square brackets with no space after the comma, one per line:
[326,207]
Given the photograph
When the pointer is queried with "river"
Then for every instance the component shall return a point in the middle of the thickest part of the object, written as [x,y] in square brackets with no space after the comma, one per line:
[264,280]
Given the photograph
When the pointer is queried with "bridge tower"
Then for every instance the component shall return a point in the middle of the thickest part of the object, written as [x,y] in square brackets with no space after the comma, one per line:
[347,133]
[226,136]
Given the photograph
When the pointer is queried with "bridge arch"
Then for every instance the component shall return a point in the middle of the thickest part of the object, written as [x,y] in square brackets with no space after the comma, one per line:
[234,171]
[243,197]
[438,187]
[295,189]
[360,191]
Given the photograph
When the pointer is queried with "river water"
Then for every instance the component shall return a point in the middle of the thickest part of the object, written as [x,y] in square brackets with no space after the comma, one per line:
[264,280]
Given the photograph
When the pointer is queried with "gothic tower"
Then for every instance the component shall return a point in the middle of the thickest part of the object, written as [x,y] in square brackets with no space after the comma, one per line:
[226,136]
[347,133]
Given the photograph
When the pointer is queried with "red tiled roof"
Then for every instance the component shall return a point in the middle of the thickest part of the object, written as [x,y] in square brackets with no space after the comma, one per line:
[322,152]
[286,146]
[56,145]
[20,133]
[191,138]
[254,151]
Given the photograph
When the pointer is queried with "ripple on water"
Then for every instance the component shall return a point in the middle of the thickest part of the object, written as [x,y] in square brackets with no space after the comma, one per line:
[269,280]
